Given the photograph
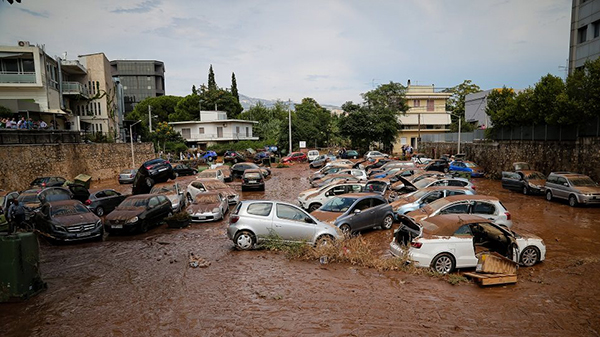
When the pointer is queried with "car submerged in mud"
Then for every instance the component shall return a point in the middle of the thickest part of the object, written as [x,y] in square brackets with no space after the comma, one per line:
[448,242]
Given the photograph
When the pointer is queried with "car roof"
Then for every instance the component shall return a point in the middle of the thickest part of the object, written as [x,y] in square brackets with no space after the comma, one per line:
[359,195]
[64,202]
[437,188]
[447,224]
[168,183]
[454,198]
[142,196]
[379,180]
[569,174]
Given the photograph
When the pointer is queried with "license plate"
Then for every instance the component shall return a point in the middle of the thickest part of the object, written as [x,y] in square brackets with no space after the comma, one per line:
[201,218]
[252,182]
[162,169]
[117,226]
[79,235]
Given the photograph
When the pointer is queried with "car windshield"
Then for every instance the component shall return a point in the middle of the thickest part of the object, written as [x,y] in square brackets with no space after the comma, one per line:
[340,204]
[206,199]
[467,164]
[214,185]
[65,210]
[126,172]
[133,203]
[536,176]
[28,198]
[252,175]
[422,183]
[163,189]
[583,182]
[436,204]
[417,195]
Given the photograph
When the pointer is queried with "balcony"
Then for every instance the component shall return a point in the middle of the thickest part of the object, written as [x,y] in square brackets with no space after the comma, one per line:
[13,77]
[74,88]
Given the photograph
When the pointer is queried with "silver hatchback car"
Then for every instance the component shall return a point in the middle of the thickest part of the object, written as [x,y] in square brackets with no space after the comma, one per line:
[254,221]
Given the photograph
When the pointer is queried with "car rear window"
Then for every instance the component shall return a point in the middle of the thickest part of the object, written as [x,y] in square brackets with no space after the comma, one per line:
[259,208]
[252,175]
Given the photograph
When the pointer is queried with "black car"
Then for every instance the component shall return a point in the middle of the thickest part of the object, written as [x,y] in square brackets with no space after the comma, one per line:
[152,172]
[47,182]
[439,165]
[68,220]
[184,170]
[233,157]
[350,154]
[79,191]
[238,169]
[104,202]
[138,213]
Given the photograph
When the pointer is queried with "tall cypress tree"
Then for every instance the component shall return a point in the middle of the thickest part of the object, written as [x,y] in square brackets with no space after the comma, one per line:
[212,84]
[234,90]
[194,90]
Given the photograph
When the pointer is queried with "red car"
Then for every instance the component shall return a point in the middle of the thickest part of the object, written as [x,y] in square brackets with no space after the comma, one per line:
[295,156]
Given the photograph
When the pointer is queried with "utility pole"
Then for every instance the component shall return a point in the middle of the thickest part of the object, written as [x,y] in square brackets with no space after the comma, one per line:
[290,123]
[459,124]
[150,117]
[131,139]
[200,112]
[419,133]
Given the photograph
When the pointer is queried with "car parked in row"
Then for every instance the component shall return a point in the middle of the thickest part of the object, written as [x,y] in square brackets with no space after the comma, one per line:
[321,161]
[215,173]
[233,157]
[104,201]
[527,182]
[211,185]
[575,188]
[438,165]
[254,221]
[174,192]
[320,174]
[138,213]
[314,198]
[350,154]
[312,155]
[484,206]
[466,166]
[68,220]
[127,176]
[375,155]
[208,206]
[238,169]
[43,182]
[295,157]
[413,201]
[328,179]
[184,170]
[253,179]
[447,242]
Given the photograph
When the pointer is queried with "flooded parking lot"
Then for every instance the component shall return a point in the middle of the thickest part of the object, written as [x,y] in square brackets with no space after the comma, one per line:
[141,285]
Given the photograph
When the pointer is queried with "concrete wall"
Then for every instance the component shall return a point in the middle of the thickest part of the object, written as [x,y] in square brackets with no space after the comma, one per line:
[580,156]
[21,164]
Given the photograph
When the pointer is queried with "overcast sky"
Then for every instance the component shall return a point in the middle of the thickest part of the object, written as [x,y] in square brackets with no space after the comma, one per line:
[325,49]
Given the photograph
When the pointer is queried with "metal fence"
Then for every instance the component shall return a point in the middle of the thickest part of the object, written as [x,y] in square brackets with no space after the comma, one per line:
[547,132]
[465,137]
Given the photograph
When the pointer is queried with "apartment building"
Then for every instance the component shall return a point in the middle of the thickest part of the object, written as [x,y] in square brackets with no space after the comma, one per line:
[585,33]
[140,79]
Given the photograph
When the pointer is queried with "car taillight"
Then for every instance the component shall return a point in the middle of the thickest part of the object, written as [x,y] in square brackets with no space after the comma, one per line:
[149,167]
[88,202]
[131,176]
[43,184]
[473,187]
[234,218]
[416,244]
[507,215]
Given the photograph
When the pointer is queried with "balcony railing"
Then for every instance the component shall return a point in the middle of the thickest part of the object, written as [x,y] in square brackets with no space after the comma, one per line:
[13,77]
[74,88]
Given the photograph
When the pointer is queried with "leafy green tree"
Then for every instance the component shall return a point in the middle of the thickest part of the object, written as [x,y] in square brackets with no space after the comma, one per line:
[194,90]
[162,107]
[212,84]
[220,99]
[456,104]
[500,108]
[5,112]
[187,109]
[234,89]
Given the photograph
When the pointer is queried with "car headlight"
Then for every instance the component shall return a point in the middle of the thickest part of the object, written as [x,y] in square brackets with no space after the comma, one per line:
[132,220]
[215,210]
[98,223]
[59,228]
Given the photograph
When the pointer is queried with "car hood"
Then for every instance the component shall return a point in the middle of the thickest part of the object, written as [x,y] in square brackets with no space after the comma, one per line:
[124,214]
[418,215]
[308,192]
[227,191]
[588,190]
[202,208]
[327,217]
[76,219]
[400,202]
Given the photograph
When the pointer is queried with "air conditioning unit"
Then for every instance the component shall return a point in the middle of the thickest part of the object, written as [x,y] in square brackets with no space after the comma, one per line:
[23,43]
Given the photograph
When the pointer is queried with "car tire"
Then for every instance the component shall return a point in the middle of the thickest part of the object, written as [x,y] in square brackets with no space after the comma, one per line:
[174,175]
[99,211]
[446,170]
[144,227]
[530,256]
[324,240]
[573,201]
[149,182]
[525,190]
[443,263]
[388,222]
[549,195]
[244,240]
[313,207]
[346,229]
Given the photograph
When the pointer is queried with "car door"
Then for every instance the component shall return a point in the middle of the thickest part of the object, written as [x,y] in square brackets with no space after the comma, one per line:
[562,190]
[113,199]
[290,224]
[484,209]
[431,197]
[154,212]
[364,218]
[464,249]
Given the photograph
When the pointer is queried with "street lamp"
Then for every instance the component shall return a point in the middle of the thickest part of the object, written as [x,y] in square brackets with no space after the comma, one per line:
[131,139]
[459,125]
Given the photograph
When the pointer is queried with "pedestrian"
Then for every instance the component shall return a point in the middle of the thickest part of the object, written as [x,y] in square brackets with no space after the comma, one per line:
[30,124]
[404,150]
[20,123]
[16,215]
[13,124]
[43,124]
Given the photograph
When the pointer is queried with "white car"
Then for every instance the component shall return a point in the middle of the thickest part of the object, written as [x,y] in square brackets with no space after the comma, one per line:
[340,162]
[312,155]
[215,173]
[208,206]
[360,174]
[375,155]
[314,198]
[420,159]
[447,242]
[211,185]
[487,207]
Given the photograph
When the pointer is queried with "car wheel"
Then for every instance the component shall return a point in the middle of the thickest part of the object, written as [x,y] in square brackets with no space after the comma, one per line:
[388,221]
[443,263]
[99,211]
[324,240]
[244,240]
[174,175]
[149,182]
[354,157]
[549,195]
[313,207]
[345,228]
[530,256]
[573,201]
[525,191]
[144,227]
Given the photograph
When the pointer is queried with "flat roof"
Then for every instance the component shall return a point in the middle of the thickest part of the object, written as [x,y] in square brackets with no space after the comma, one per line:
[215,121]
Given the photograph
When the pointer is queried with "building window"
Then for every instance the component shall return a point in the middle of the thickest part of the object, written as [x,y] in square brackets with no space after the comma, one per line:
[186,133]
[99,108]
[219,132]
[596,26]
[100,125]
[582,34]
[201,131]
[430,105]
[416,103]
[237,130]
[247,132]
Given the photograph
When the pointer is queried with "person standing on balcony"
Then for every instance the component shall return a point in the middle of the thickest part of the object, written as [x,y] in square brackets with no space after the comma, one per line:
[43,125]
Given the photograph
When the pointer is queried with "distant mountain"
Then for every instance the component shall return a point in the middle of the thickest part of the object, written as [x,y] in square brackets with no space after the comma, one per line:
[248,102]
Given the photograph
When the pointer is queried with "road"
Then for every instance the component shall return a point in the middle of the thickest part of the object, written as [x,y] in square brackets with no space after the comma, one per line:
[141,285]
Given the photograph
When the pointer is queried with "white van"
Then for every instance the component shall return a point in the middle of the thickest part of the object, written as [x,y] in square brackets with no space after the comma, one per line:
[312,155]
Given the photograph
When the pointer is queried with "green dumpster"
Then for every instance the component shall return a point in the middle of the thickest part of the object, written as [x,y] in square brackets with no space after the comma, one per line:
[83,179]
[19,267]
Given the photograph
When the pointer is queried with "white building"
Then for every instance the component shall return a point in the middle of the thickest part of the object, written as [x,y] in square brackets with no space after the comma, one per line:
[214,127]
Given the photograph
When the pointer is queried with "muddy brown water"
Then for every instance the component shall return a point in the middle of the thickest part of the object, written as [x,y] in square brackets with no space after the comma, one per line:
[141,285]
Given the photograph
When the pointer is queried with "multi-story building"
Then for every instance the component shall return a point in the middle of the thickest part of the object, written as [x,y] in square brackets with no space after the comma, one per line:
[426,115]
[475,106]
[213,128]
[76,95]
[140,79]
[585,33]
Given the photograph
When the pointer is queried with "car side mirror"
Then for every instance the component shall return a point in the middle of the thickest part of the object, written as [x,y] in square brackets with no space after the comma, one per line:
[357,211]
[566,184]
[308,220]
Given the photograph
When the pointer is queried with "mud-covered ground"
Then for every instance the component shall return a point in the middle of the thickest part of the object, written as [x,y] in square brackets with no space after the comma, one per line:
[141,285]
